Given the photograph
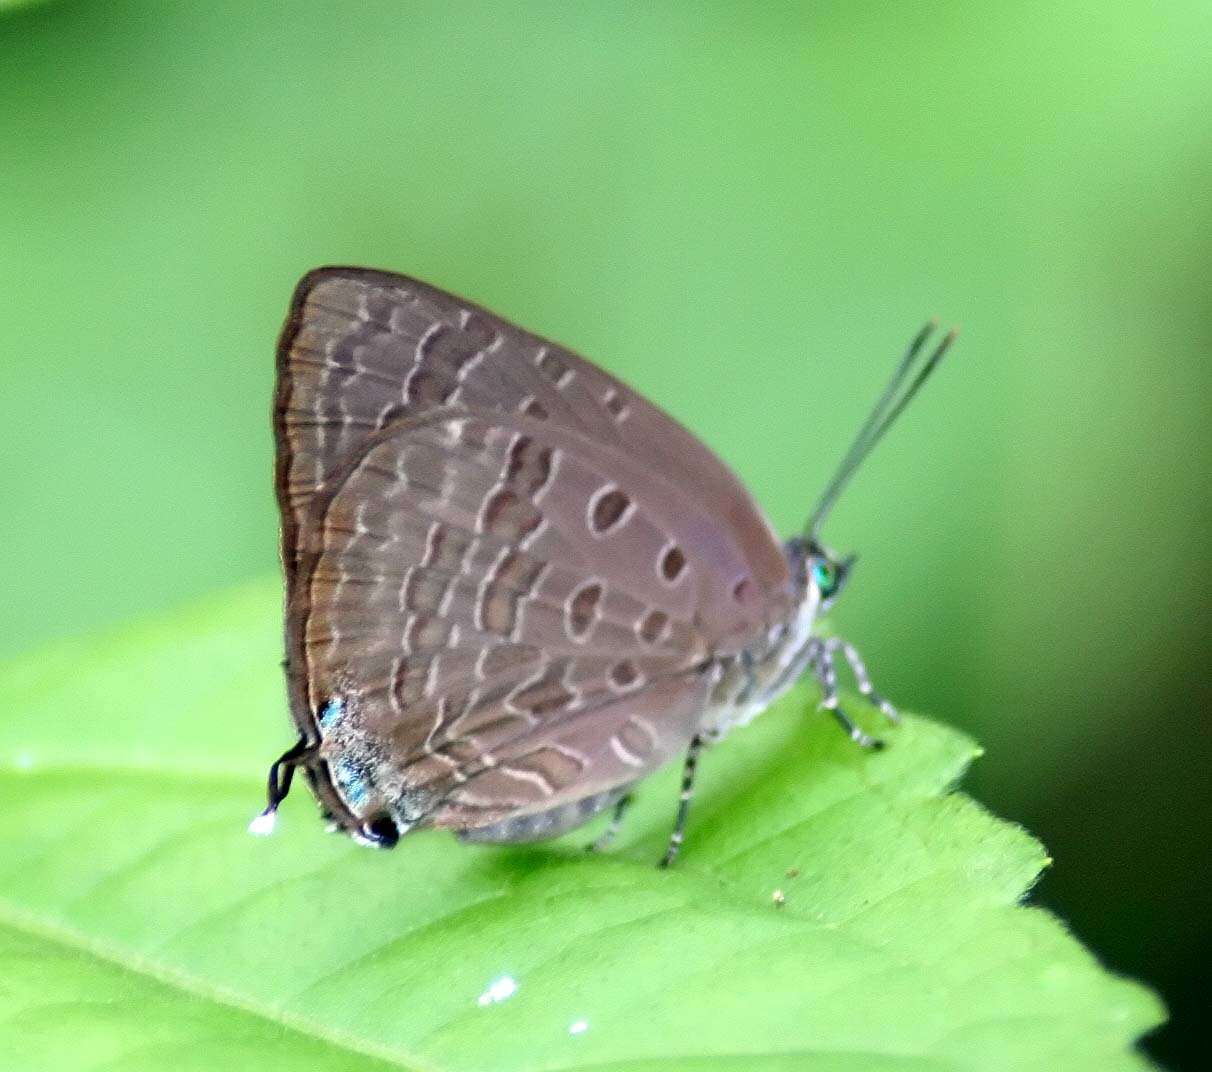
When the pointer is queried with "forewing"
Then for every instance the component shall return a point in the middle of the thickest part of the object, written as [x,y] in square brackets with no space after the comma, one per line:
[363,349]
[491,591]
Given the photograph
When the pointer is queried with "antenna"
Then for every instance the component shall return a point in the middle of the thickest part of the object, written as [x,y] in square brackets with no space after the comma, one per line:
[887,409]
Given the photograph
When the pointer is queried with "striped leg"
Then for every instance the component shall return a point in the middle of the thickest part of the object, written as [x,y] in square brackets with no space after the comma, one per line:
[859,669]
[679,824]
[607,836]
[821,663]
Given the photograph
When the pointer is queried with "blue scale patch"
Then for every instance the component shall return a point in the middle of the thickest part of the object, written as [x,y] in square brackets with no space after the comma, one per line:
[331,713]
[351,777]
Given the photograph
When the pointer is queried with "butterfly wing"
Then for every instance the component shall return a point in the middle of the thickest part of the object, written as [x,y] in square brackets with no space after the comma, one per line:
[579,756]
[362,349]
[495,551]
[512,615]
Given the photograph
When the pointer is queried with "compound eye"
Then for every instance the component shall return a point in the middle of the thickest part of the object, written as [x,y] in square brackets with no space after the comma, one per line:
[382,831]
[826,576]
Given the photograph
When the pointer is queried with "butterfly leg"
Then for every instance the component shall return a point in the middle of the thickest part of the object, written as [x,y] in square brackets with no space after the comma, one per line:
[821,662]
[859,669]
[604,840]
[679,824]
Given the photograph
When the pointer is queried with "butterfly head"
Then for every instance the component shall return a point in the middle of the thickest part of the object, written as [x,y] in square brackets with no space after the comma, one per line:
[819,572]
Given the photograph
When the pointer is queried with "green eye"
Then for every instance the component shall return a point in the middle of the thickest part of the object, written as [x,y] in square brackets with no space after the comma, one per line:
[825,574]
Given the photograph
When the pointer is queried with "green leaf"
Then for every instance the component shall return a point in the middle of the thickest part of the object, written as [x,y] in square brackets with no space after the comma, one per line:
[142,928]
[11,5]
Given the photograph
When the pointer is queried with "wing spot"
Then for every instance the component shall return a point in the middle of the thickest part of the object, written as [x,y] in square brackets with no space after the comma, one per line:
[519,572]
[508,515]
[553,368]
[426,386]
[624,753]
[535,409]
[377,306]
[517,456]
[639,736]
[557,765]
[423,592]
[615,405]
[609,509]
[407,686]
[654,626]
[525,774]
[528,465]
[673,563]
[435,535]
[426,633]
[422,384]
[624,675]
[391,413]
[583,609]
[497,610]
[542,697]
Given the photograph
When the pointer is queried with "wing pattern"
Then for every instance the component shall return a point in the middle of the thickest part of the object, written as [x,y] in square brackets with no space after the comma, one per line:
[495,604]
[362,349]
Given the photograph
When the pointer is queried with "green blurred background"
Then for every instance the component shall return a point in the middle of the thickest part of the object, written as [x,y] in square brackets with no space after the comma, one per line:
[744,210]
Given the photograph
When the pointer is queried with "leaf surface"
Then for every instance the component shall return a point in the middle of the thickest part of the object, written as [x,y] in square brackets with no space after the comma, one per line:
[142,928]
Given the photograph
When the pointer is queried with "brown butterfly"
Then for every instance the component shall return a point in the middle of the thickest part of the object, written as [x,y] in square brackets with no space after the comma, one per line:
[514,587]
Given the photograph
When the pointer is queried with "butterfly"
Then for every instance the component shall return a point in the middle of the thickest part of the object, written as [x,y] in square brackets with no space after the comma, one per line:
[514,586]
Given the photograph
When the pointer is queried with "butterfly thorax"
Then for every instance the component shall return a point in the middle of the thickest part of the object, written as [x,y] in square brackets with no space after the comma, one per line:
[749,681]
